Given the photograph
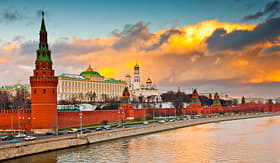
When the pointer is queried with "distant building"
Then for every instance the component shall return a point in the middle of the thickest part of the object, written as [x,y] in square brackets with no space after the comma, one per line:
[89,85]
[254,100]
[222,95]
[14,88]
[142,92]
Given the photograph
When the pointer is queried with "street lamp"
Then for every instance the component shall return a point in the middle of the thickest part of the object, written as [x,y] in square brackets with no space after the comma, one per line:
[81,121]
[123,118]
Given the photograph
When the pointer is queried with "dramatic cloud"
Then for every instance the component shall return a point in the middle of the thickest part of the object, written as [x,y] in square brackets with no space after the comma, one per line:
[209,55]
[29,47]
[18,38]
[271,9]
[164,38]
[10,16]
[131,34]
[238,39]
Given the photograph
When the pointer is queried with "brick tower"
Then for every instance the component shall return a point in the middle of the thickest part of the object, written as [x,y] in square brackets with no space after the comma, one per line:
[125,106]
[43,88]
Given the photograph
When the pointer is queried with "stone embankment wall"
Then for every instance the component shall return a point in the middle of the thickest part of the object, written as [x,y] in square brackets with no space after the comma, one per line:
[27,148]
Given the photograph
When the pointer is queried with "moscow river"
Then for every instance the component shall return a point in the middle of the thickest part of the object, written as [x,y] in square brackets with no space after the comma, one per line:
[250,140]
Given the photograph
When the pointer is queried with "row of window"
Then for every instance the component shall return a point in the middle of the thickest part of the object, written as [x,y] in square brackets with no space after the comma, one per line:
[88,85]
[44,91]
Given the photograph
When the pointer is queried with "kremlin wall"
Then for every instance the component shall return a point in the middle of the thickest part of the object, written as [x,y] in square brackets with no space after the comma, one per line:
[44,117]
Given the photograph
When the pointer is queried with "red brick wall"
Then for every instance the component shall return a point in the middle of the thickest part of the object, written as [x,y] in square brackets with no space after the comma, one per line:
[72,119]
[10,119]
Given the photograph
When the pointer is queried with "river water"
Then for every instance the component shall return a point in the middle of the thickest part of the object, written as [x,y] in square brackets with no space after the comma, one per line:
[250,140]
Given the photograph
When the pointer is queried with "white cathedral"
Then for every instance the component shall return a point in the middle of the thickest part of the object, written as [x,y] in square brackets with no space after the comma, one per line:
[142,93]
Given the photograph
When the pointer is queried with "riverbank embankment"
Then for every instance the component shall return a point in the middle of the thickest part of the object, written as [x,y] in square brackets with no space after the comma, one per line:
[10,151]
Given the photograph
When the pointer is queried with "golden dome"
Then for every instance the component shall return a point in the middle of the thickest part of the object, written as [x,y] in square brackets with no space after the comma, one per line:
[89,68]
[148,81]
[136,66]
[127,75]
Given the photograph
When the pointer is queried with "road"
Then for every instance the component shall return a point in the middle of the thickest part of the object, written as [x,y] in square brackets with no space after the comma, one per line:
[65,132]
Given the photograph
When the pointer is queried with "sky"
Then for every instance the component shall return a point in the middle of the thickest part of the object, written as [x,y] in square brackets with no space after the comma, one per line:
[227,46]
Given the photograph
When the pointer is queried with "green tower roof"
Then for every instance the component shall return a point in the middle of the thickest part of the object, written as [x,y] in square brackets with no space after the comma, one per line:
[44,53]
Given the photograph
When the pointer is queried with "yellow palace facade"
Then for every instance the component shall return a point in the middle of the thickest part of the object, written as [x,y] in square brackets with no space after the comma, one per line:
[88,86]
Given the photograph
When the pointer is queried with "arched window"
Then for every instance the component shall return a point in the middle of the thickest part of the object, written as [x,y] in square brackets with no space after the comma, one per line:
[44,91]
[34,91]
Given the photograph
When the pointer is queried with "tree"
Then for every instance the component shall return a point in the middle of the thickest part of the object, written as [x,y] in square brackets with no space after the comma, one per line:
[5,99]
[104,122]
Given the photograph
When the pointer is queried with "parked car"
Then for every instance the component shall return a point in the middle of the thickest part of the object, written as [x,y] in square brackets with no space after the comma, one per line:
[171,120]
[29,138]
[20,136]
[99,129]
[161,121]
[49,133]
[72,131]
[119,126]
[107,127]
[85,130]
[145,122]
[60,133]
[15,141]
[8,137]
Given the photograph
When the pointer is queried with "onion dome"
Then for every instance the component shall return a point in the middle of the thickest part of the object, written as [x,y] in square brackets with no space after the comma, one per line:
[149,81]
[128,76]
[136,67]
[89,72]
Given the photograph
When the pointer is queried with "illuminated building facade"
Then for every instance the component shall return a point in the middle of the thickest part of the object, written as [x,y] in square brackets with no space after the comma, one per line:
[89,86]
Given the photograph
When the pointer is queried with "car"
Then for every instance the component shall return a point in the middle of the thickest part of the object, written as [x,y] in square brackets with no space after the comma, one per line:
[98,129]
[86,130]
[20,136]
[60,133]
[49,133]
[8,137]
[145,122]
[161,121]
[15,141]
[29,138]
[72,131]
[107,127]
[172,120]
[119,126]
[78,130]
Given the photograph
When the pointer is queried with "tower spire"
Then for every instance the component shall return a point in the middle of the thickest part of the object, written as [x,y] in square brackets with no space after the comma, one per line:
[43,27]
[43,53]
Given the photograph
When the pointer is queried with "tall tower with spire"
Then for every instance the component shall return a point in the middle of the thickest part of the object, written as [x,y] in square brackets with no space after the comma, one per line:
[136,84]
[43,88]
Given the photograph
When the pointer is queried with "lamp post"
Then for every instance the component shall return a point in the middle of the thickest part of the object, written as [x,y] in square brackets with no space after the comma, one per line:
[12,123]
[123,119]
[56,125]
[18,124]
[81,122]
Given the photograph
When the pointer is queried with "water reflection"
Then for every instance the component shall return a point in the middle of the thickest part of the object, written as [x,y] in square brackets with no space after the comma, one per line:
[252,140]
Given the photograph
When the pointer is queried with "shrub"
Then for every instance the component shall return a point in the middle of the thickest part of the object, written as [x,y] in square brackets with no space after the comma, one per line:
[104,122]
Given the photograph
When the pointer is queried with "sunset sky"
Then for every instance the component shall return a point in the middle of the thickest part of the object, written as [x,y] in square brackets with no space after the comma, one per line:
[228,46]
